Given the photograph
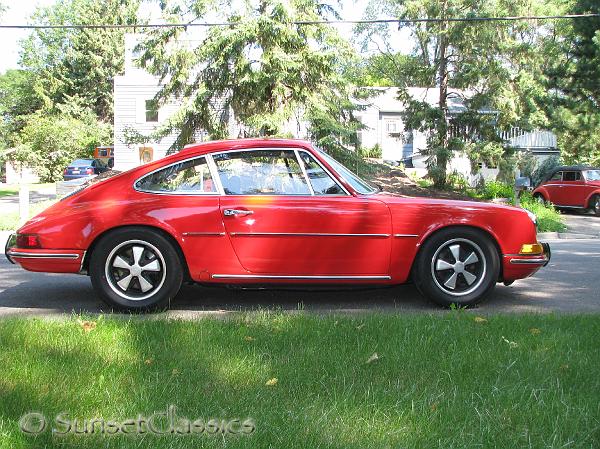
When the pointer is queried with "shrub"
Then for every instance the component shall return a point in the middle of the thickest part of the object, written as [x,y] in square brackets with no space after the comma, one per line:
[495,189]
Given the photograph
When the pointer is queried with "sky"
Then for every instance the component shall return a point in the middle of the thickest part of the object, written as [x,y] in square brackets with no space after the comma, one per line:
[19,11]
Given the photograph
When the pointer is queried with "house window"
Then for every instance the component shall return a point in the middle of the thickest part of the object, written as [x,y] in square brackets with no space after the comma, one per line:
[151,111]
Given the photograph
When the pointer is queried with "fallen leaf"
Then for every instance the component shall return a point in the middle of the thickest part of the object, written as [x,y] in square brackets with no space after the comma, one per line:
[512,344]
[480,319]
[360,326]
[149,361]
[271,382]
[373,358]
[87,326]
[434,407]
[175,372]
[248,338]
[535,331]
[564,367]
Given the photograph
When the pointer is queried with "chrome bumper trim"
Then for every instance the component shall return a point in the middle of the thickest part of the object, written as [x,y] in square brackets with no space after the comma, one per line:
[260,276]
[42,255]
[405,235]
[10,241]
[529,261]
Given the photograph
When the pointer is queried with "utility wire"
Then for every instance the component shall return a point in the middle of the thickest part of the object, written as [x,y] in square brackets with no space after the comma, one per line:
[309,22]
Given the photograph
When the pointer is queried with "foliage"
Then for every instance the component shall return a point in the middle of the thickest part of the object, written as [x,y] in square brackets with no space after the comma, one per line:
[478,63]
[494,189]
[19,97]
[266,70]
[548,218]
[374,152]
[78,66]
[544,169]
[51,142]
[457,181]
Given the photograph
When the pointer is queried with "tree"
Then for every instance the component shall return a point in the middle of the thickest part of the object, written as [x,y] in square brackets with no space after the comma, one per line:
[78,65]
[19,97]
[50,142]
[482,60]
[263,68]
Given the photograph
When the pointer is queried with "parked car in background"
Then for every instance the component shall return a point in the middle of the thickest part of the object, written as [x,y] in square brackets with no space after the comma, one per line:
[268,211]
[80,168]
[571,187]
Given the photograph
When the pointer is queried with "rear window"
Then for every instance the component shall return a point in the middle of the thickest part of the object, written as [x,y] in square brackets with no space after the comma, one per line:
[571,176]
[81,162]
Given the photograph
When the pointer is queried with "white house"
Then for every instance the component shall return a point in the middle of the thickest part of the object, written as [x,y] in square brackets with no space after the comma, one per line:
[136,111]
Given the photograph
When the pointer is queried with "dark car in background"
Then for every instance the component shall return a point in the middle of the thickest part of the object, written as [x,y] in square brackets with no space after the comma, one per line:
[81,168]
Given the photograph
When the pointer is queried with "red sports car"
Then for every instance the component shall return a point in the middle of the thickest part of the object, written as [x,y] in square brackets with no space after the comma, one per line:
[571,188]
[269,211]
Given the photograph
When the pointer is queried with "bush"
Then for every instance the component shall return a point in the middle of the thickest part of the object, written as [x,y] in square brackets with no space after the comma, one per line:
[495,189]
[457,181]
[374,152]
[548,218]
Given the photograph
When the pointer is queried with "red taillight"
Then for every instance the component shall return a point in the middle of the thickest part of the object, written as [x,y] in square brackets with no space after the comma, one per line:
[28,241]
[89,171]
[65,172]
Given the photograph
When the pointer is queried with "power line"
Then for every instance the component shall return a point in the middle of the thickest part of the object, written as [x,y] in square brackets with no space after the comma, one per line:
[309,22]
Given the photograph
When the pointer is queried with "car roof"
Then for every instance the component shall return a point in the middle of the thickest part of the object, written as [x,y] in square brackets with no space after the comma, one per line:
[573,168]
[233,144]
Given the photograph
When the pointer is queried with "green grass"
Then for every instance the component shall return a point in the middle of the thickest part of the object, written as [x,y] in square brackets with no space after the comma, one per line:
[548,218]
[441,381]
[11,221]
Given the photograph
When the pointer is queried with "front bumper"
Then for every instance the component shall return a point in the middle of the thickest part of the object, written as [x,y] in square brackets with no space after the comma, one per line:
[519,266]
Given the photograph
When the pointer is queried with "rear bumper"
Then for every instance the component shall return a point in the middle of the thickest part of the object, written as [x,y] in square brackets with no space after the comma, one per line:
[517,266]
[45,260]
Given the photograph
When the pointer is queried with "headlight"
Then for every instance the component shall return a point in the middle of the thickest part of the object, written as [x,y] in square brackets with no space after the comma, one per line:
[532,216]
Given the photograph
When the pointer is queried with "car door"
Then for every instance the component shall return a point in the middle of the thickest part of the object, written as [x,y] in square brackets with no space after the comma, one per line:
[553,186]
[571,192]
[281,223]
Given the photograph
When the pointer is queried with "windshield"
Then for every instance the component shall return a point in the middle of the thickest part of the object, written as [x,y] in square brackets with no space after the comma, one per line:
[81,162]
[592,175]
[360,185]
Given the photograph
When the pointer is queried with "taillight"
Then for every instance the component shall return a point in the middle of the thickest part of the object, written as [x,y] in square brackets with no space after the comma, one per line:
[65,172]
[28,241]
[89,171]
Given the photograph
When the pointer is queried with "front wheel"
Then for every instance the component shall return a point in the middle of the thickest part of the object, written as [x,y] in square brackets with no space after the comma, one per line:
[595,205]
[136,269]
[457,266]
[540,198]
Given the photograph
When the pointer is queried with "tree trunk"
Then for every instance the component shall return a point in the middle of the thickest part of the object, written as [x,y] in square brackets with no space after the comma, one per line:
[441,150]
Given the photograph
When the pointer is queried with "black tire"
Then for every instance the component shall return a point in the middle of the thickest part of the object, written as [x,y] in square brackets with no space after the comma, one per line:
[439,278]
[595,205]
[540,198]
[136,269]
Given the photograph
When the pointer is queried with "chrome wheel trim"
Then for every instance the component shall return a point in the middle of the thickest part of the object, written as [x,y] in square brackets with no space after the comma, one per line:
[119,261]
[458,262]
[540,198]
[597,203]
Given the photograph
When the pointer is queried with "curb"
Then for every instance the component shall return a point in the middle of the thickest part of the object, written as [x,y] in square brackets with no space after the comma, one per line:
[566,236]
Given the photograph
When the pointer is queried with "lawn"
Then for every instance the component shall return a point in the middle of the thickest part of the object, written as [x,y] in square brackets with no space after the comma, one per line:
[13,189]
[438,381]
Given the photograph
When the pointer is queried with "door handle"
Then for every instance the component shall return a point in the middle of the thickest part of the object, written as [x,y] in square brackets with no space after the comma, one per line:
[233,212]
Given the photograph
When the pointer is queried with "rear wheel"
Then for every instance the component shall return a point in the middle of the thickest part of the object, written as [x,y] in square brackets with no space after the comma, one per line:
[595,205]
[136,269]
[457,266]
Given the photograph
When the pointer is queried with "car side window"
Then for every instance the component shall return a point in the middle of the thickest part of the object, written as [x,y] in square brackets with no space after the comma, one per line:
[192,176]
[261,172]
[556,176]
[570,176]
[322,183]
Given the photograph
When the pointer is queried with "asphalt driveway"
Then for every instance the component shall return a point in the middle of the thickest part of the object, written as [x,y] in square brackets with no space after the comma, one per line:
[570,283]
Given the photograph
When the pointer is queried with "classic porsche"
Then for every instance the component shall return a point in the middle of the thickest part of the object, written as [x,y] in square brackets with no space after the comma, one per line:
[271,212]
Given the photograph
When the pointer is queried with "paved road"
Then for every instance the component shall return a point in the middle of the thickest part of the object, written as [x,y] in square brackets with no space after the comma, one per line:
[570,283]
[582,222]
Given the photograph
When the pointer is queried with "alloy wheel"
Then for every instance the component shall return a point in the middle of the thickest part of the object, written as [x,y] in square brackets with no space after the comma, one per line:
[135,270]
[458,267]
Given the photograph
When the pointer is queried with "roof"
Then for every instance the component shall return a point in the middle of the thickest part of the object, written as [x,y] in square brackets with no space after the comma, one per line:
[236,144]
[574,167]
